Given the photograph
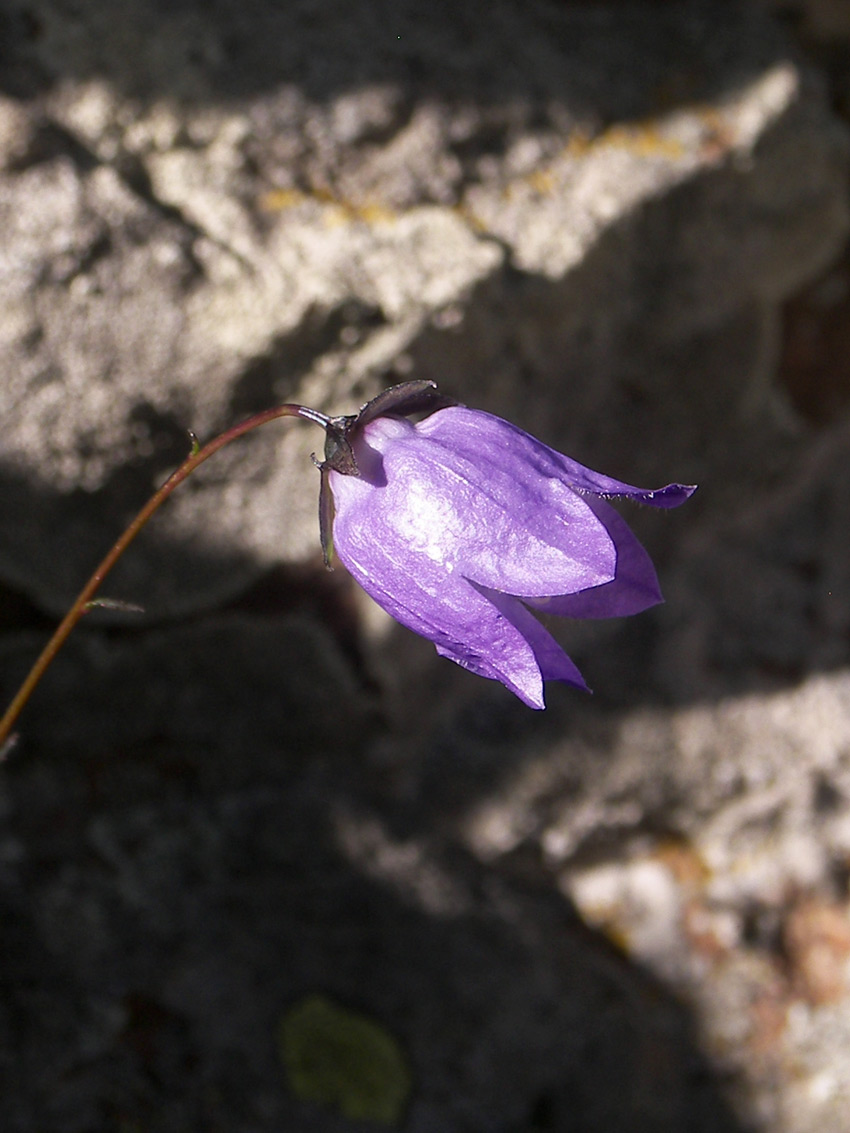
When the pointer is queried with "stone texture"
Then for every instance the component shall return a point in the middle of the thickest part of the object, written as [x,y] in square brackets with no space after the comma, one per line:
[178,871]
[703,824]
[547,216]
[630,912]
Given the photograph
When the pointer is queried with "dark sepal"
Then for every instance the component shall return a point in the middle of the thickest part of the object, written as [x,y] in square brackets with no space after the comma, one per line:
[401,401]
[339,455]
[397,401]
[326,517]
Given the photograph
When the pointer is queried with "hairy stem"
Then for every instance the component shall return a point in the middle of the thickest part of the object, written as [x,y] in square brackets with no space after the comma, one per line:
[84,599]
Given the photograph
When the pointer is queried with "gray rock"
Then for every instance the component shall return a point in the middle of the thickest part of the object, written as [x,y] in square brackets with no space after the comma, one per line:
[208,212]
[178,872]
[697,810]
[230,682]
[585,219]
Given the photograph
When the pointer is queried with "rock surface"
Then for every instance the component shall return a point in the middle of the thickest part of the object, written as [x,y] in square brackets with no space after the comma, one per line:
[171,890]
[631,912]
[208,212]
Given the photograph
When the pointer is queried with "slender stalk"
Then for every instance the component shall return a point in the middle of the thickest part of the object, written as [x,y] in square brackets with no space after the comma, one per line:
[84,600]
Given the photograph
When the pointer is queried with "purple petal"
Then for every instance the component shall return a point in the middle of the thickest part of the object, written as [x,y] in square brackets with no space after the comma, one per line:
[634,587]
[487,632]
[453,524]
[554,663]
[486,513]
[471,433]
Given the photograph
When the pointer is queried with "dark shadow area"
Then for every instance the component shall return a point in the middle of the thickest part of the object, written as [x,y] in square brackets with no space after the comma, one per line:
[220,52]
[146,579]
[270,380]
[176,893]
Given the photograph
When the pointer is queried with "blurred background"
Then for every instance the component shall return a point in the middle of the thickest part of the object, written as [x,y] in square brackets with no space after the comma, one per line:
[266,861]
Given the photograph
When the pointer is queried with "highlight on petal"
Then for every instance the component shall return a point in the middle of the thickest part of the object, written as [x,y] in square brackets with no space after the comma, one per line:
[460,523]
[496,519]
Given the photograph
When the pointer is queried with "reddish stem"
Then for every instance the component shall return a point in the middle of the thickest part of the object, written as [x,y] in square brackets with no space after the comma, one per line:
[82,603]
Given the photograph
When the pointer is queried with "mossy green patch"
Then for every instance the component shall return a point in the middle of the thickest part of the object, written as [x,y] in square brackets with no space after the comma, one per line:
[345,1060]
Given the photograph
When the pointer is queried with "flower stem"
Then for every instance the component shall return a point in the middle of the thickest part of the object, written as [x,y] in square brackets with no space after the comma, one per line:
[83,602]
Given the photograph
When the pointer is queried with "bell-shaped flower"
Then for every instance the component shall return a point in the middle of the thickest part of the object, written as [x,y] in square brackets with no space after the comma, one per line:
[461,525]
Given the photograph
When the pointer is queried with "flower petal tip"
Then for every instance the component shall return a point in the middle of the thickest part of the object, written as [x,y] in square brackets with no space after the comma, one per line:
[672,495]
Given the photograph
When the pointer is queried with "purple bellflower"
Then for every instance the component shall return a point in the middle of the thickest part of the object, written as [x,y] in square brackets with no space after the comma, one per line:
[461,525]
